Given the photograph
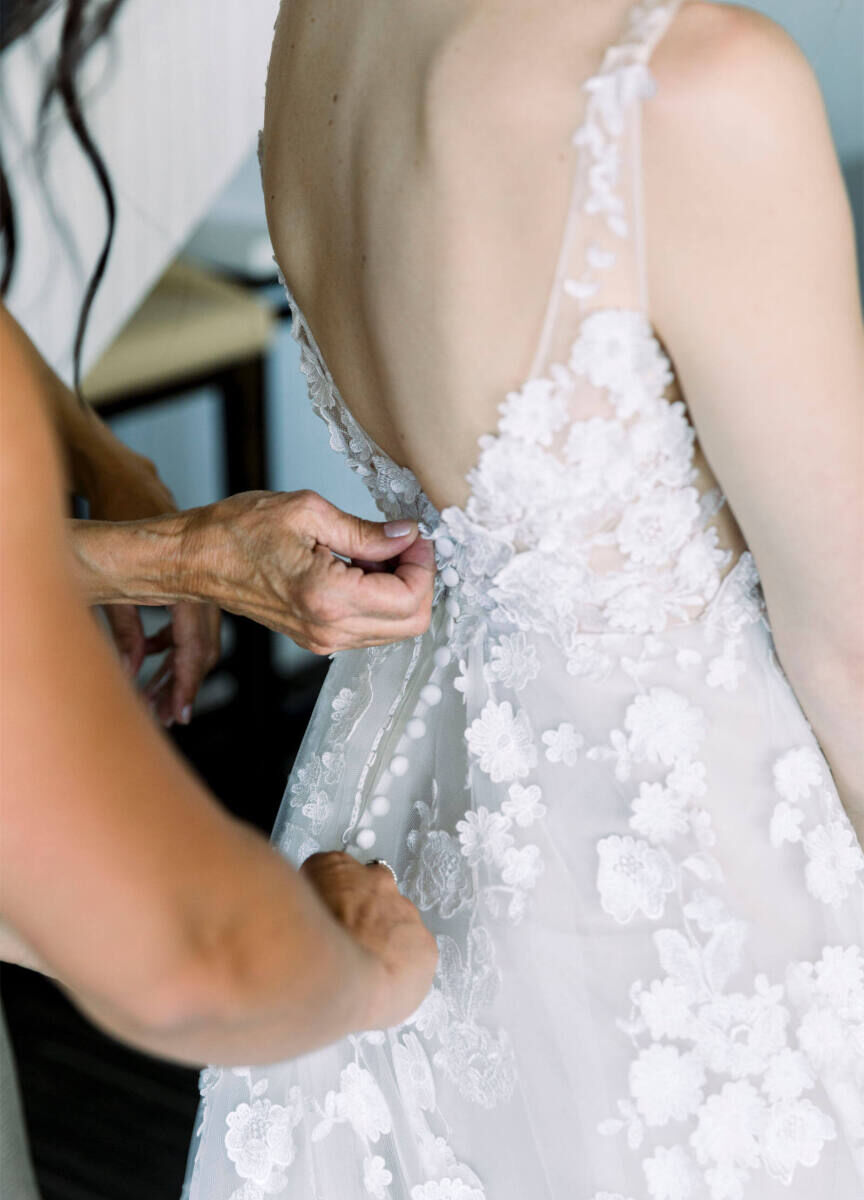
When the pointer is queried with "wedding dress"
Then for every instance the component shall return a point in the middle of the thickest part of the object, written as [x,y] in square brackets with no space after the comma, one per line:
[593,778]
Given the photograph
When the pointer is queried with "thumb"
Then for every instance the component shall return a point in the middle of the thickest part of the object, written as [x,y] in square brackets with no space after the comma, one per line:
[372,541]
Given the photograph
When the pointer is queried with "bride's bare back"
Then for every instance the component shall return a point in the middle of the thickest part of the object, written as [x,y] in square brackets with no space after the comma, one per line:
[417,173]
[417,167]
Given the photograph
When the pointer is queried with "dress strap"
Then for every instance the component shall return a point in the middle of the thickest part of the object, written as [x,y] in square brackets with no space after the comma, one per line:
[602,259]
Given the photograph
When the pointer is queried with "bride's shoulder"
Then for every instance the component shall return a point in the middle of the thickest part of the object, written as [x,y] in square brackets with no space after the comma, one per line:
[728,68]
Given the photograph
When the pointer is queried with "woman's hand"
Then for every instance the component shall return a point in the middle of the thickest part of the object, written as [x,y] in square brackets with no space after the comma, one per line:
[124,486]
[272,556]
[367,902]
[191,640]
[289,560]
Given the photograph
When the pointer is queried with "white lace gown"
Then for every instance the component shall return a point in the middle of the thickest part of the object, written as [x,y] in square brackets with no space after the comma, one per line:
[593,778]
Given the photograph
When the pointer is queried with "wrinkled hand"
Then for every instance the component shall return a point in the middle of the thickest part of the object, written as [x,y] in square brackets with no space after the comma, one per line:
[272,557]
[191,639]
[367,902]
[127,487]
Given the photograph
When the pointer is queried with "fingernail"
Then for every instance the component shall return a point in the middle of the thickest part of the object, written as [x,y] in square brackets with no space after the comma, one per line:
[126,663]
[186,714]
[397,529]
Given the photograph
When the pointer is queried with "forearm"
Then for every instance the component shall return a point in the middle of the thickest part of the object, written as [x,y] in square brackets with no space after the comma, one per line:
[266,974]
[136,562]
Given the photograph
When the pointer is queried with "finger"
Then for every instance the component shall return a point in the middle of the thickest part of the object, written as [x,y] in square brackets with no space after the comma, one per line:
[399,595]
[191,657]
[127,631]
[370,568]
[421,553]
[343,533]
[162,703]
[158,677]
[162,639]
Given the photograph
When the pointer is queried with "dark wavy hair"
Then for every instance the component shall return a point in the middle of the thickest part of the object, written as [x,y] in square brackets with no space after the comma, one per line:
[84,24]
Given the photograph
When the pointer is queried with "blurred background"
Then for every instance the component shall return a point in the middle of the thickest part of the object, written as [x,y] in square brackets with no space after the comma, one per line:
[189,356]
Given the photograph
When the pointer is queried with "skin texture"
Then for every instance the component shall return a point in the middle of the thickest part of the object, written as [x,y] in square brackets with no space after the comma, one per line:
[175,927]
[417,212]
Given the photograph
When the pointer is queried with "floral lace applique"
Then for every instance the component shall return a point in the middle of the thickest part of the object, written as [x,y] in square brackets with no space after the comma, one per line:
[834,859]
[260,1137]
[744,1060]
[478,1062]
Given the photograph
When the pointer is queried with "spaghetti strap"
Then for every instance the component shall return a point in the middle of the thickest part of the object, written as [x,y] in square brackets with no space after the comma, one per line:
[601,259]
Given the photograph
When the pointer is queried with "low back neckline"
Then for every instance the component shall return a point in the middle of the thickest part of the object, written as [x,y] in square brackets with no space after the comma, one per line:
[395,489]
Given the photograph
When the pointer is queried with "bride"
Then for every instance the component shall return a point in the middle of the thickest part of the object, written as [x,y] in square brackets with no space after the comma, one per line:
[574,285]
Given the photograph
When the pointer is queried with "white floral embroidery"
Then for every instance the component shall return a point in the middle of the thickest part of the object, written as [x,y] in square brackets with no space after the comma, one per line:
[785,824]
[247,1191]
[521,868]
[659,813]
[654,527]
[413,1071]
[447,1189]
[502,742]
[360,1102]
[311,787]
[666,1084]
[480,1063]
[563,744]
[795,1134]
[726,1138]
[633,877]
[524,805]
[835,860]
[726,670]
[376,1177]
[535,413]
[618,351]
[484,836]
[664,726]
[513,661]
[796,773]
[436,875]
[260,1137]
[670,1174]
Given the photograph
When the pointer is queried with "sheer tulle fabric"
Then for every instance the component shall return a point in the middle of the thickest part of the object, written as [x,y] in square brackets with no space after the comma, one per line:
[594,779]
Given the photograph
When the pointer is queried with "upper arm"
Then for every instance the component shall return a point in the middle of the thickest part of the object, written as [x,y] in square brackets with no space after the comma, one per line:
[97,813]
[754,289]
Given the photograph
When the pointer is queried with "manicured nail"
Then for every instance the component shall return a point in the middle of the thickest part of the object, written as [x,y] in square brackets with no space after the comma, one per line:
[397,529]
[186,714]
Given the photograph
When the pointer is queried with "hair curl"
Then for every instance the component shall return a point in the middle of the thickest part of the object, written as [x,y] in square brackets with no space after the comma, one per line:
[85,23]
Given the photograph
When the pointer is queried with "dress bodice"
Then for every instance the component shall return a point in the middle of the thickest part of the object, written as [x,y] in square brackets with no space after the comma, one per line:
[587,512]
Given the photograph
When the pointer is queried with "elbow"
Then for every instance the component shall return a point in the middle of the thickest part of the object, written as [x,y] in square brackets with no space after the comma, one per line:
[204,990]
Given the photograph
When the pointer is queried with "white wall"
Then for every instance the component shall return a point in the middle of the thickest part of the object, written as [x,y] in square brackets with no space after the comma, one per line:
[174,102]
